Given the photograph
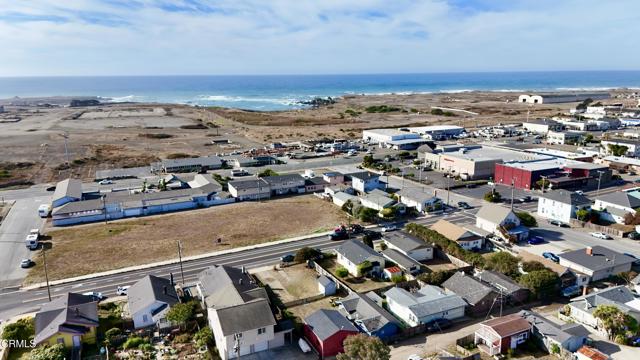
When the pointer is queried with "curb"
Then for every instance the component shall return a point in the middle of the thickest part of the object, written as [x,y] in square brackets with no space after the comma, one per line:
[173,261]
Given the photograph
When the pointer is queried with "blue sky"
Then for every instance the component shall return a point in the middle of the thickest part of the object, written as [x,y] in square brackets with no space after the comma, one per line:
[162,37]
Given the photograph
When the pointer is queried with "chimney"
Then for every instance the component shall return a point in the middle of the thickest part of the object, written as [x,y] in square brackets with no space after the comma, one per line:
[589,250]
[585,290]
[244,270]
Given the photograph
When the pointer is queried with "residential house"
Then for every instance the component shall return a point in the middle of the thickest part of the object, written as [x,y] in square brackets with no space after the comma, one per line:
[365,181]
[149,301]
[635,284]
[333,178]
[326,286]
[404,262]
[315,184]
[408,245]
[597,262]
[369,317]
[616,205]
[590,353]
[509,290]
[463,237]
[377,199]
[480,297]
[582,307]
[391,271]
[249,189]
[418,199]
[239,312]
[326,330]
[285,184]
[340,198]
[502,222]
[353,253]
[424,305]
[497,336]
[561,205]
[334,189]
[70,319]
[570,336]
[198,164]
[67,190]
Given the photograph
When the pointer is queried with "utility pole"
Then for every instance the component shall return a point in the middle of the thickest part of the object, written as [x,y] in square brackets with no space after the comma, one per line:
[600,172]
[104,208]
[543,179]
[180,259]
[46,273]
[65,135]
[512,189]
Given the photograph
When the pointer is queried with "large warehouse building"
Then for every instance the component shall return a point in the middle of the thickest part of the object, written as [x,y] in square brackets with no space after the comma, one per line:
[555,98]
[438,132]
[560,173]
[393,138]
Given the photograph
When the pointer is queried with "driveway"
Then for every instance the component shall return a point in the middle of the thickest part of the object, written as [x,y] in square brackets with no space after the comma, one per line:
[287,352]
[13,231]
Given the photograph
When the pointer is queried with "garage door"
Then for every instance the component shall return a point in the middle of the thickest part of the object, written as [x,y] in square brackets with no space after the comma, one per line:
[245,350]
[261,346]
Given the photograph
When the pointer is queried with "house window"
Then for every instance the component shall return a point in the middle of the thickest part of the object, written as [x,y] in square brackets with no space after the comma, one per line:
[262,331]
[521,338]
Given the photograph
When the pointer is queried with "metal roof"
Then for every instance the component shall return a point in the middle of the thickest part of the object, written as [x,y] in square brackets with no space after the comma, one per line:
[600,258]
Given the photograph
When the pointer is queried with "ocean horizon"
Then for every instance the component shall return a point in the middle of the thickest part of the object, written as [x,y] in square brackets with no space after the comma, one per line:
[283,92]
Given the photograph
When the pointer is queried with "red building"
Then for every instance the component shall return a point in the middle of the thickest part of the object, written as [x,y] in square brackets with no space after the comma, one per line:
[561,174]
[326,330]
[497,336]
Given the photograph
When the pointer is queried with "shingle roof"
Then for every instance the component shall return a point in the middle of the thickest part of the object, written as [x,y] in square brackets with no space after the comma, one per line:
[71,312]
[251,315]
[324,323]
[426,301]
[470,289]
[566,197]
[601,258]
[551,330]
[620,198]
[499,281]
[148,290]
[356,251]
[453,232]
[416,194]
[508,325]
[68,188]
[366,312]
[401,259]
[283,178]
[617,295]
[254,183]
[405,241]
[364,175]
[226,286]
[494,213]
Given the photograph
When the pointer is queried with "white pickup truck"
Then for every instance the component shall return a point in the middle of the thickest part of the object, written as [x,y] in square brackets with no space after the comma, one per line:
[32,239]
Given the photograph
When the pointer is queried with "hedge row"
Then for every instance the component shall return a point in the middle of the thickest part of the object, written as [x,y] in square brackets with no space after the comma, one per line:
[450,247]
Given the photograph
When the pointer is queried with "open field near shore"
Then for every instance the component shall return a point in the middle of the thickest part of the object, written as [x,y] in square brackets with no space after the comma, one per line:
[98,247]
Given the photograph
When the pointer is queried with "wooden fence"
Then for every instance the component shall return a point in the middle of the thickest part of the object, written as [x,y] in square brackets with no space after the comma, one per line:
[600,228]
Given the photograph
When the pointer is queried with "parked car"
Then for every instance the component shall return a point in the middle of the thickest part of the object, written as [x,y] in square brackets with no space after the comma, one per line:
[122,290]
[571,291]
[634,235]
[288,258]
[579,192]
[558,223]
[600,235]
[551,256]
[97,296]
[528,198]
[535,240]
[339,235]
[26,263]
[464,205]
[415,357]
[356,228]
[439,324]
[372,234]
[388,228]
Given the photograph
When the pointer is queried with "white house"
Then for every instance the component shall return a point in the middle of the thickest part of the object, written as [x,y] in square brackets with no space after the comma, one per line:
[561,205]
[616,205]
[495,218]
[149,301]
[597,262]
[425,305]
[238,311]
[582,307]
[365,181]
[408,245]
[340,198]
[377,199]
[633,147]
[465,238]
[418,199]
[354,252]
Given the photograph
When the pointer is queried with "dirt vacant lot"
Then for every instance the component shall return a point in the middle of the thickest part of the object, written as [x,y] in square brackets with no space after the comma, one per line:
[291,283]
[98,247]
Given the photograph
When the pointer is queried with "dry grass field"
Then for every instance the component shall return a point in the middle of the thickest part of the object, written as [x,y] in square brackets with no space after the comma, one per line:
[98,247]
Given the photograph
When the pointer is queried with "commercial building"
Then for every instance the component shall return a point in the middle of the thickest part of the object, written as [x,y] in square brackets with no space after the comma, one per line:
[558,97]
[542,126]
[597,262]
[262,188]
[438,132]
[560,173]
[622,163]
[560,154]
[393,138]
[188,164]
[564,137]
[68,190]
[632,147]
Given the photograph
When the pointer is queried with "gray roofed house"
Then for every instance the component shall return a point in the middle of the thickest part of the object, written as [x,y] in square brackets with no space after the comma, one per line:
[325,323]
[514,293]
[239,318]
[406,263]
[368,316]
[149,299]
[249,183]
[72,313]
[351,253]
[566,197]
[570,336]
[494,213]
[286,178]
[220,286]
[205,181]
[478,295]
[582,307]
[597,262]
[404,242]
[67,190]
[621,198]
[364,175]
[424,305]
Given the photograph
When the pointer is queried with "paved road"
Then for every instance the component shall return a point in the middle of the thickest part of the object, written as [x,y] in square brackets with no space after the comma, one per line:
[14,229]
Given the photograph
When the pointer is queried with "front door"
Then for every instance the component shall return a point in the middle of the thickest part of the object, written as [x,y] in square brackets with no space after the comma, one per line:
[76,341]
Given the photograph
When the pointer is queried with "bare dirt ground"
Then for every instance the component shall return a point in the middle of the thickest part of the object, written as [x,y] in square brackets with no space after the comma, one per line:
[138,133]
[291,283]
[152,239]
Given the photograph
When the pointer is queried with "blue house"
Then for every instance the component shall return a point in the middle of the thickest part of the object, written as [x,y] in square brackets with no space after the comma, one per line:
[367,314]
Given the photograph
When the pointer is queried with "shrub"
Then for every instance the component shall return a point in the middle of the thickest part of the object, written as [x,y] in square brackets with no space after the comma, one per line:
[267,172]
[493,196]
[46,352]
[182,339]
[533,265]
[397,279]
[503,262]
[583,215]
[363,267]
[448,246]
[526,219]
[306,253]
[437,277]
[203,337]
[133,342]
[181,313]
[342,272]
[22,329]
[541,283]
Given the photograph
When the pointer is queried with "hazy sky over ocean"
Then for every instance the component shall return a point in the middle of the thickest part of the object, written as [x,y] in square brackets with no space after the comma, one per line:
[162,37]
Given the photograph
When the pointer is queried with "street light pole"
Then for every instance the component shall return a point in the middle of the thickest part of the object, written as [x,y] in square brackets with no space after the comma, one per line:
[512,188]
[180,259]
[600,172]
[46,273]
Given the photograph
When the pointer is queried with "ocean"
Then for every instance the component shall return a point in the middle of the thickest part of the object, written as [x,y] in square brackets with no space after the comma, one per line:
[282,92]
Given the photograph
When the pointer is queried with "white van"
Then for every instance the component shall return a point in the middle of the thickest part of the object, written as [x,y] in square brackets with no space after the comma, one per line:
[44,210]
